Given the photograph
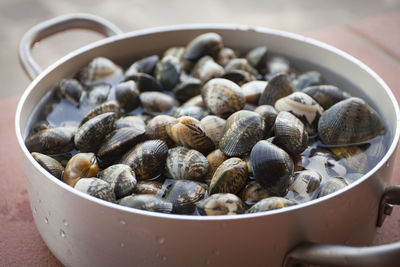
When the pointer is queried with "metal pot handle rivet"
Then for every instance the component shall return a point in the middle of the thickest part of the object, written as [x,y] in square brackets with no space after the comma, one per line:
[340,256]
[55,25]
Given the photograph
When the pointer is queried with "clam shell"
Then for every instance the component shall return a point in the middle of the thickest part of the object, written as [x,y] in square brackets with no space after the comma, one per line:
[145,65]
[147,202]
[130,121]
[257,57]
[332,185]
[278,65]
[215,159]
[127,95]
[304,186]
[268,113]
[239,77]
[253,90]
[349,121]
[80,165]
[221,204]
[185,164]
[304,107]
[195,101]
[225,55]
[111,106]
[271,203]
[97,94]
[96,188]
[307,79]
[121,179]
[52,140]
[71,89]
[325,164]
[290,133]
[204,44]
[146,159]
[192,111]
[206,68]
[175,51]
[187,89]
[155,102]
[167,72]
[326,95]
[253,192]
[148,187]
[144,82]
[156,128]
[91,134]
[222,97]
[229,177]
[279,86]
[51,165]
[242,130]
[240,64]
[272,167]
[101,69]
[213,127]
[184,194]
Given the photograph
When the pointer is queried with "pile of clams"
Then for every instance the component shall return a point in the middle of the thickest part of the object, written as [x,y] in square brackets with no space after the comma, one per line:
[205,130]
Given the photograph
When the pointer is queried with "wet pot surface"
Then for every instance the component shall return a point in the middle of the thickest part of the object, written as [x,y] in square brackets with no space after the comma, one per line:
[84,231]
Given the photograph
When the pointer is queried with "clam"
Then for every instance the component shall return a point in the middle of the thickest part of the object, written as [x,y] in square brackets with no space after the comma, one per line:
[155,102]
[376,151]
[353,157]
[225,55]
[332,185]
[119,141]
[206,68]
[167,72]
[230,177]
[325,164]
[148,187]
[156,128]
[52,141]
[257,57]
[222,97]
[239,77]
[127,95]
[187,89]
[215,159]
[80,165]
[185,164]
[279,86]
[307,79]
[253,192]
[349,121]
[290,133]
[175,51]
[188,132]
[98,94]
[242,130]
[144,65]
[272,167]
[326,95]
[91,134]
[144,82]
[271,203]
[268,113]
[213,127]
[99,70]
[39,126]
[304,107]
[192,111]
[240,64]
[110,106]
[195,101]
[304,186]
[205,44]
[71,89]
[146,159]
[184,194]
[253,90]
[147,202]
[96,188]
[278,65]
[121,178]
[49,164]
[130,121]
[221,204]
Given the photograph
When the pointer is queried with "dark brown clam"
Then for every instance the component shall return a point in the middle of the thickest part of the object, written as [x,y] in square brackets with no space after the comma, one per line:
[221,204]
[127,95]
[279,86]
[332,185]
[51,165]
[353,157]
[229,177]
[253,90]
[147,202]
[80,165]
[71,89]
[148,187]
[121,178]
[185,164]
[304,186]
[96,188]
[167,72]
[130,121]
[101,69]
[111,106]
[268,113]
[290,133]
[278,65]
[192,111]
[155,102]
[222,97]
[187,89]
[145,65]
[271,203]
[257,57]
[206,68]
[304,107]
[215,159]
[242,130]
[307,79]
[253,192]
[326,95]
[188,132]
[91,134]
[52,140]
[225,55]
[349,121]
[184,194]
[119,141]
[213,127]
[144,82]
[272,167]
[147,159]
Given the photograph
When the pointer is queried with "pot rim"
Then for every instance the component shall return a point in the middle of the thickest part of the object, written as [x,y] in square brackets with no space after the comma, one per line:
[233,27]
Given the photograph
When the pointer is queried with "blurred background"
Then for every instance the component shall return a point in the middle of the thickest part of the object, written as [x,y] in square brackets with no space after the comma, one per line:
[304,17]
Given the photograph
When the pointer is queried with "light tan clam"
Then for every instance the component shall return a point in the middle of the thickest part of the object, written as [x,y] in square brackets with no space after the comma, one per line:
[215,159]
[271,203]
[101,69]
[221,204]
[213,127]
[278,65]
[253,192]
[206,68]
[195,101]
[156,128]
[253,90]
[225,55]
[130,121]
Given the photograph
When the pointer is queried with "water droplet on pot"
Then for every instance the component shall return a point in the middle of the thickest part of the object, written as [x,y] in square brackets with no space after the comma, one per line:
[65,222]
[388,165]
[161,240]
[46,220]
[208,261]
[217,252]
[62,233]
[122,245]
[35,210]
[164,258]
[122,222]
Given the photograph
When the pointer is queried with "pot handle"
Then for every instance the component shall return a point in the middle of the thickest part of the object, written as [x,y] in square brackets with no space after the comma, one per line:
[55,25]
[336,255]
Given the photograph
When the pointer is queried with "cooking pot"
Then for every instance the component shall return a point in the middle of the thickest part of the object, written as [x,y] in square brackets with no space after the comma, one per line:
[85,231]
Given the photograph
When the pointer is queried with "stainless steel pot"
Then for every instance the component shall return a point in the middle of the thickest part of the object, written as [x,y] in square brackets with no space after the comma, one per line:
[84,231]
